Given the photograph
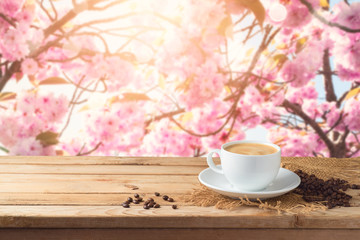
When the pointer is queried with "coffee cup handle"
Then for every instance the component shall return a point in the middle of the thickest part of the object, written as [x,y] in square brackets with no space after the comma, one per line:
[211,163]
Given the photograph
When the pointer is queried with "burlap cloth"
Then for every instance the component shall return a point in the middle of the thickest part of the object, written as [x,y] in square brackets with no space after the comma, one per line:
[325,168]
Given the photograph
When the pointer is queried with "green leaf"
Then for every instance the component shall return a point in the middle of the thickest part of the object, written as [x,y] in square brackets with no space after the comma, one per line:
[53,80]
[184,86]
[162,81]
[225,28]
[324,4]
[256,7]
[4,149]
[352,93]
[48,138]
[128,56]
[279,60]
[300,44]
[127,97]
[7,96]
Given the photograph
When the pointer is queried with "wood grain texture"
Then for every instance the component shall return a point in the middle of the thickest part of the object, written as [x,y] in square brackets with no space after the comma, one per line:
[93,160]
[81,199]
[100,169]
[177,234]
[85,192]
[184,217]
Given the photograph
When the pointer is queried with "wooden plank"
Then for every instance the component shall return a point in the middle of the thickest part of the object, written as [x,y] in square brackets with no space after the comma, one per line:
[79,199]
[95,187]
[69,178]
[166,234]
[95,160]
[166,217]
[101,169]
[119,217]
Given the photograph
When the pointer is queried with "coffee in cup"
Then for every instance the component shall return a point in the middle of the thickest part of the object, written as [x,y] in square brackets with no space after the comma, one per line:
[248,165]
[251,149]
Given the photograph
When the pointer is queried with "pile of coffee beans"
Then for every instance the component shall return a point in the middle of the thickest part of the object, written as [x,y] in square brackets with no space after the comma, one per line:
[149,203]
[331,191]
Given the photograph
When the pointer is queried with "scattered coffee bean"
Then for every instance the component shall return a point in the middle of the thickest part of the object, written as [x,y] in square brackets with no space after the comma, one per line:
[174,206]
[330,191]
[146,207]
[130,199]
[127,202]
[136,201]
[157,194]
[136,195]
[125,205]
[151,204]
[170,199]
[157,205]
[165,197]
[140,199]
[147,202]
[150,199]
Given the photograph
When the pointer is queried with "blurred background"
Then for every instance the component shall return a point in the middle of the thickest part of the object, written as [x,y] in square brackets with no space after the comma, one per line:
[178,78]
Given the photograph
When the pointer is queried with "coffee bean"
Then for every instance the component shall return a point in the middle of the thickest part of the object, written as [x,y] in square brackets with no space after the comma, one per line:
[147,202]
[146,207]
[140,199]
[127,202]
[157,194]
[165,197]
[136,195]
[330,191]
[157,205]
[136,201]
[130,199]
[151,204]
[150,199]
[174,206]
[125,205]
[170,199]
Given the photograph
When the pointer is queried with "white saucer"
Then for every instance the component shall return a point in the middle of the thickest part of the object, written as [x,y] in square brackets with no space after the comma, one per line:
[285,181]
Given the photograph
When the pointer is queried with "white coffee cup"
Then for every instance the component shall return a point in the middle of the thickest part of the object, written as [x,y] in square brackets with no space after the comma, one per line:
[247,172]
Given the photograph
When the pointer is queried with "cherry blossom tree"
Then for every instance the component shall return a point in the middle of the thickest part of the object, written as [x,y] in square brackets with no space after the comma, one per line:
[157,77]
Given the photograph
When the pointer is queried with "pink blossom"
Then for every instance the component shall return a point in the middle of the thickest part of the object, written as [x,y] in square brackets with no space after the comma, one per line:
[120,73]
[119,128]
[297,16]
[295,142]
[309,106]
[352,114]
[164,140]
[10,7]
[347,74]
[29,66]
[205,84]
[202,15]
[332,114]
[349,16]
[30,147]
[253,96]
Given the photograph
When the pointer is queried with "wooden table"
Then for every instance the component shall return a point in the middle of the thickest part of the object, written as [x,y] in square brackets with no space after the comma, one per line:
[80,197]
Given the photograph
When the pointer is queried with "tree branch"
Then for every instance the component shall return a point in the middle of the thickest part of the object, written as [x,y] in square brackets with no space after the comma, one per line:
[165,115]
[328,82]
[67,17]
[296,109]
[8,20]
[90,151]
[14,67]
[323,20]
